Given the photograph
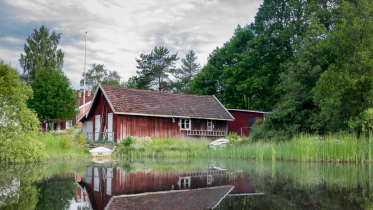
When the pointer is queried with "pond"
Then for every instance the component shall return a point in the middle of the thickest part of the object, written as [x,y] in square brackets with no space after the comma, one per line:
[185,184]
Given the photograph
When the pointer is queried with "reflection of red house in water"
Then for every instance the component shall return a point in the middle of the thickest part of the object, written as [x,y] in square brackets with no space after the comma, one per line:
[113,188]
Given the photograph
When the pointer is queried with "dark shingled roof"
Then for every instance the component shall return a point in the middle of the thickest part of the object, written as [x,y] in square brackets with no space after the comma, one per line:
[205,198]
[161,103]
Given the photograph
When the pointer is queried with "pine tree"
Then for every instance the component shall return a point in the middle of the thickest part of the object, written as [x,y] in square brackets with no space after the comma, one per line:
[185,75]
[154,69]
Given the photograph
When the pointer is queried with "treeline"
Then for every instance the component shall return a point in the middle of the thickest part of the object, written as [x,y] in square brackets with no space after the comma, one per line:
[154,71]
[308,62]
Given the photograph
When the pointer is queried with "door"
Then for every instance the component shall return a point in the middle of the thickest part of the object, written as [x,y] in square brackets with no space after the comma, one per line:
[97,126]
[90,130]
[58,126]
[110,136]
[251,123]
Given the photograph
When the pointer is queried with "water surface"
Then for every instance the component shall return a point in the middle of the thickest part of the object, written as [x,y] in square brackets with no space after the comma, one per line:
[185,184]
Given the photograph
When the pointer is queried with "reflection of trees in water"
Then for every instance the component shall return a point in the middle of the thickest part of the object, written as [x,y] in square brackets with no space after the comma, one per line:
[33,180]
[27,174]
[56,193]
[287,194]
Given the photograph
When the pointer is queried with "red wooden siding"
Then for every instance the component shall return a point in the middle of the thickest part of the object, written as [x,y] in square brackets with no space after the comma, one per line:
[242,121]
[97,108]
[142,126]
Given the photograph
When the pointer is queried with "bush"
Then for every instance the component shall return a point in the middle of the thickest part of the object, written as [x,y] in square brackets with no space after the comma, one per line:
[263,131]
[19,125]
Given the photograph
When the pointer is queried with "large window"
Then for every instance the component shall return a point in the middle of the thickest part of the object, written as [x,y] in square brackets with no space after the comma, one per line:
[69,124]
[184,124]
[209,125]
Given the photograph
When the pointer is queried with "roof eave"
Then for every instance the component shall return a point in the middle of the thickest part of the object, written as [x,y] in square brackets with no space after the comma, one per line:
[244,110]
[170,116]
[94,97]
[224,108]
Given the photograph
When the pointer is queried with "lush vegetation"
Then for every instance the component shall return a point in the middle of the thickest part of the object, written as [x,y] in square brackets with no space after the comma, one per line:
[68,144]
[99,74]
[40,52]
[309,62]
[19,125]
[53,97]
[342,147]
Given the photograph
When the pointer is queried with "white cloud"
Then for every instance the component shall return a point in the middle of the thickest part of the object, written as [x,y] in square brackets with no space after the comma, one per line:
[119,31]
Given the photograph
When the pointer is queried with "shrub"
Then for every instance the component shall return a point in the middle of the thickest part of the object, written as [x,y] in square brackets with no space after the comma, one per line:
[19,125]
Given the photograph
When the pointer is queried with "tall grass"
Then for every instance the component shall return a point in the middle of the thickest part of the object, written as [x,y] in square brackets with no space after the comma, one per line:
[302,148]
[65,146]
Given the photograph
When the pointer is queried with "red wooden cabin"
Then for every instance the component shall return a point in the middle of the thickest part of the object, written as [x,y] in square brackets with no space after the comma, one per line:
[244,119]
[118,112]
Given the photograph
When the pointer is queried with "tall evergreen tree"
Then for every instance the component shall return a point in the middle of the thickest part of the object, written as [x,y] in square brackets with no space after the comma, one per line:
[154,69]
[186,73]
[41,52]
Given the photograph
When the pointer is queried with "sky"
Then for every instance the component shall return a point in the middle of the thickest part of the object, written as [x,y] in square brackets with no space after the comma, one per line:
[119,31]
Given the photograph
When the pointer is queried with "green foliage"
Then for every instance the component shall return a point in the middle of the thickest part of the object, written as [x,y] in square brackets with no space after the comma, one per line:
[62,145]
[99,74]
[18,124]
[53,97]
[244,73]
[345,89]
[154,68]
[56,193]
[160,147]
[342,147]
[130,83]
[233,138]
[326,84]
[41,52]
[264,131]
[186,73]
[363,123]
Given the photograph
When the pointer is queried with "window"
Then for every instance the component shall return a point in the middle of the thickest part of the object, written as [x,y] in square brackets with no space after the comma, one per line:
[209,180]
[184,182]
[69,124]
[184,124]
[209,125]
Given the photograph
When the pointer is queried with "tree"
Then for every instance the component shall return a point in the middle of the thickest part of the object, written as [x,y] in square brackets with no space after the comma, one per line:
[18,124]
[53,98]
[154,69]
[99,74]
[186,73]
[41,51]
[130,83]
[345,90]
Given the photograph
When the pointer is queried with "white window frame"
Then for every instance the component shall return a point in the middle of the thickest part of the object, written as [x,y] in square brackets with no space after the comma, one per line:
[182,121]
[209,128]
[70,123]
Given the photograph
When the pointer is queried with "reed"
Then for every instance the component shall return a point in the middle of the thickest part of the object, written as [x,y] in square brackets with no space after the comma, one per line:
[336,148]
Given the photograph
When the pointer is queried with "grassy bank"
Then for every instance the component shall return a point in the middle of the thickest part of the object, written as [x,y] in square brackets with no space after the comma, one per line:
[64,145]
[302,148]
